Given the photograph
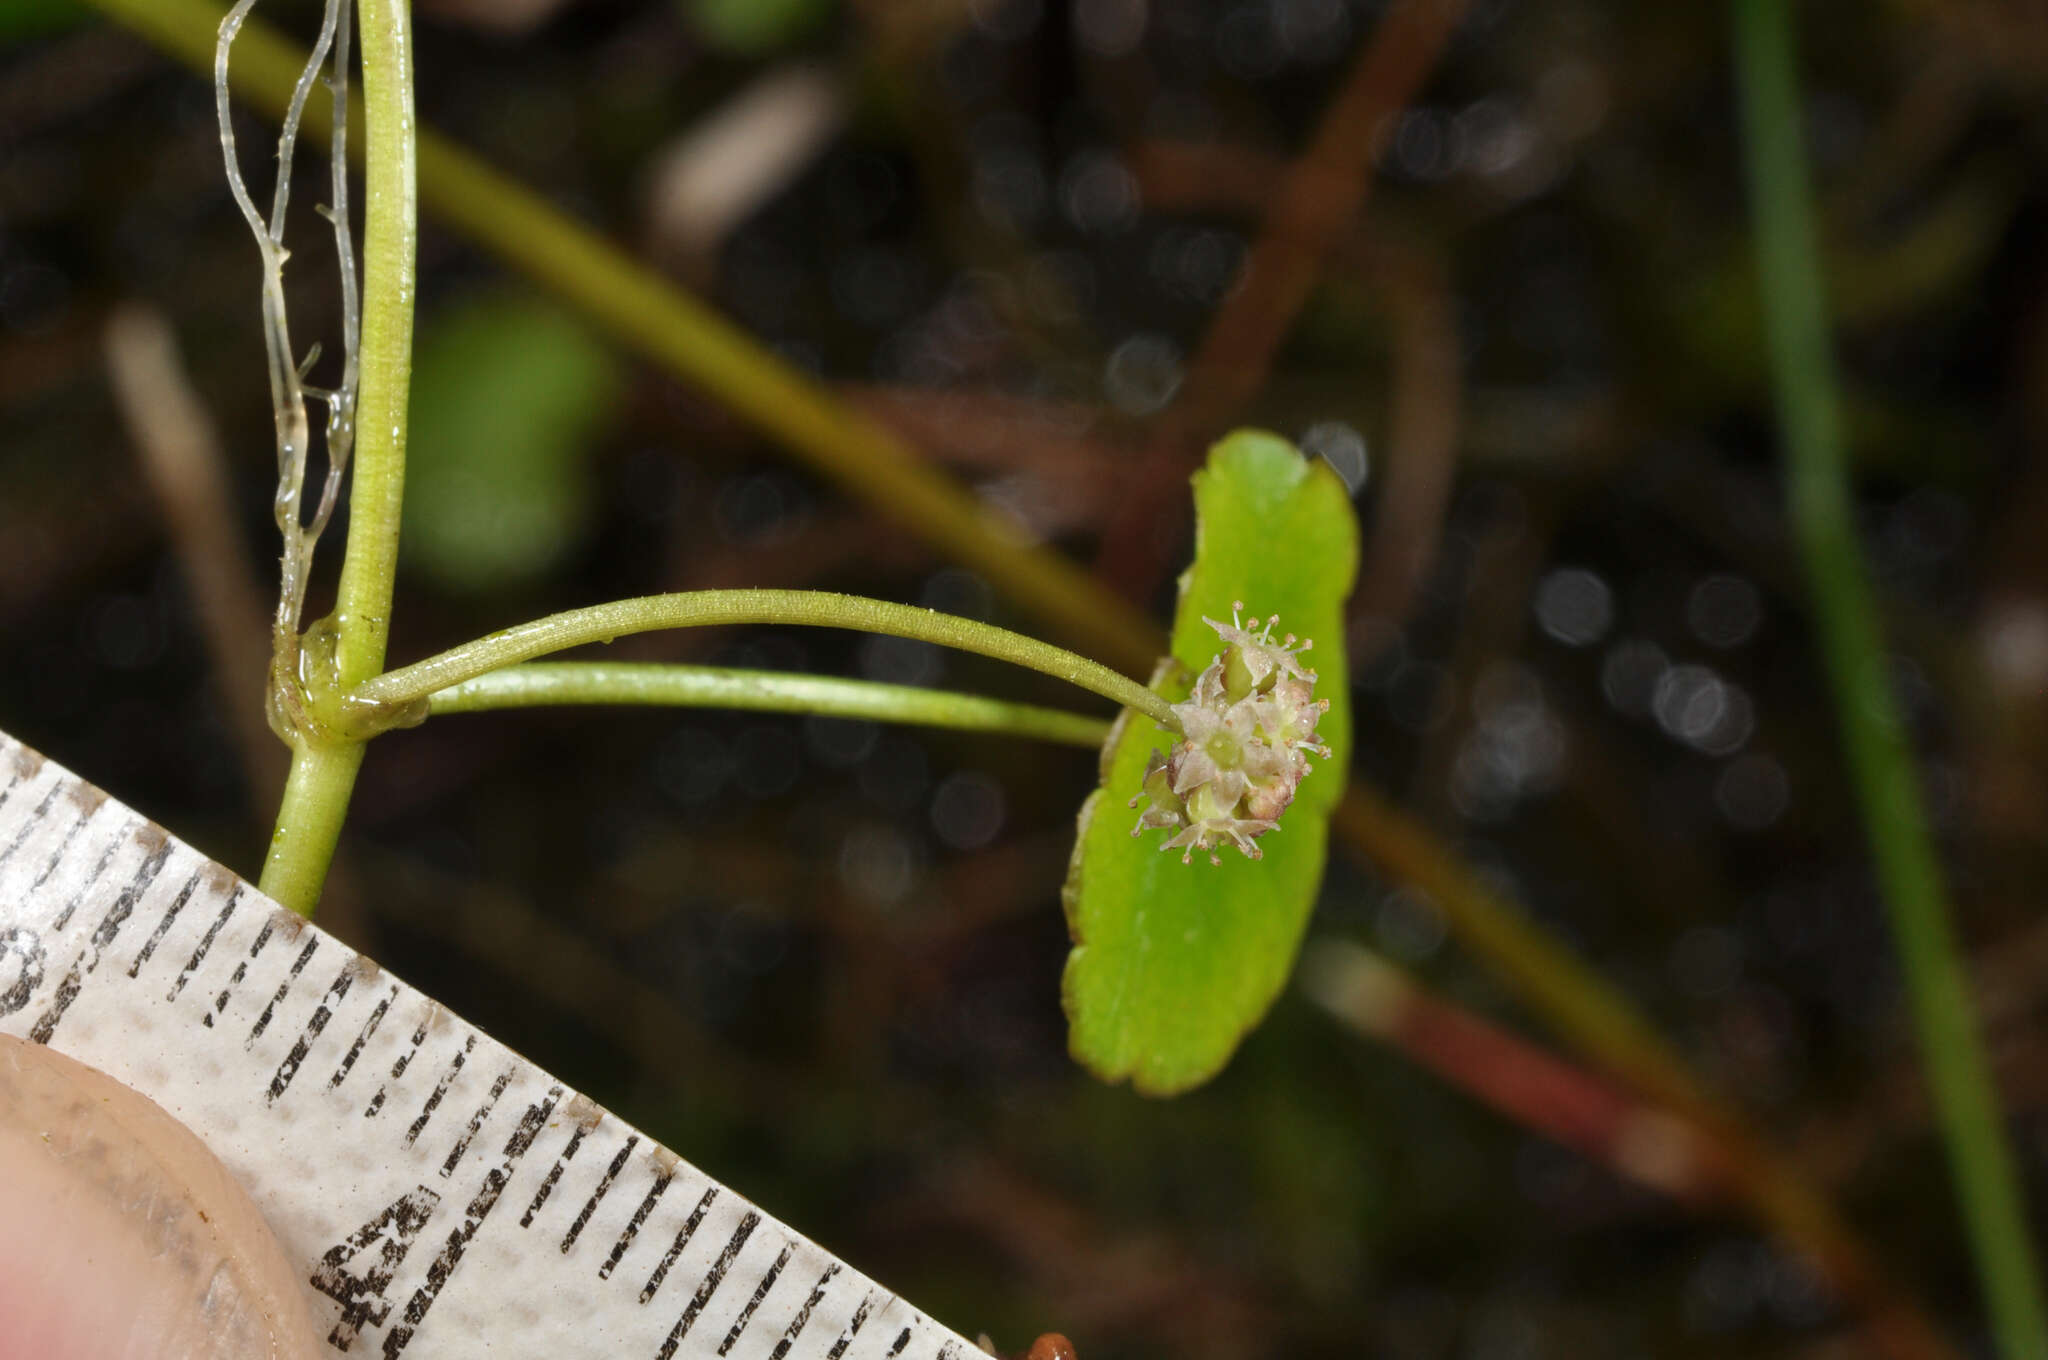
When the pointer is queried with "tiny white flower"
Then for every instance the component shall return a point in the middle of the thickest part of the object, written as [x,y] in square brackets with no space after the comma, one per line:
[1245,731]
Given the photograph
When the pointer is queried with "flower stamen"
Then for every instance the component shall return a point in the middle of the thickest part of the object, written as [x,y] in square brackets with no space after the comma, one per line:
[1246,730]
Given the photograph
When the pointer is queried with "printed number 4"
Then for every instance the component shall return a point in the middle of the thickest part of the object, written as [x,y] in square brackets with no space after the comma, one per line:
[362,1296]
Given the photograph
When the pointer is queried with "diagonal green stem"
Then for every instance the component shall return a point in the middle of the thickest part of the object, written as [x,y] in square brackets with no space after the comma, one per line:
[650,315]
[628,682]
[1880,757]
[640,307]
[323,774]
[698,608]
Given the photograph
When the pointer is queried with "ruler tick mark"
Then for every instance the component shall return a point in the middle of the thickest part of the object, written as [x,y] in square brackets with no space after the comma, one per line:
[99,868]
[604,1186]
[860,1316]
[709,1285]
[675,1248]
[199,951]
[531,1123]
[760,1292]
[298,966]
[355,1050]
[28,946]
[63,846]
[220,1003]
[111,874]
[103,935]
[322,1013]
[476,1121]
[35,819]
[419,1036]
[439,1273]
[440,1090]
[165,921]
[803,1314]
[632,1228]
[547,1187]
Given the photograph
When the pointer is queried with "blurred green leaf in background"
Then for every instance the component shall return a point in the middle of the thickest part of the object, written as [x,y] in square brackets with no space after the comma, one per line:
[757,27]
[509,398]
[24,19]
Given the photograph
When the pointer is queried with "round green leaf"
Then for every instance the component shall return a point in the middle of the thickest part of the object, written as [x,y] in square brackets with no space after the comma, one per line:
[1173,963]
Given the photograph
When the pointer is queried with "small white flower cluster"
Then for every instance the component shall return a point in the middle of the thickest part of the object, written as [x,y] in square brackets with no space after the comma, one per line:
[1245,731]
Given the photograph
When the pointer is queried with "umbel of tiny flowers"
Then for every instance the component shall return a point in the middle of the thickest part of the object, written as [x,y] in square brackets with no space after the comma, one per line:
[1245,733]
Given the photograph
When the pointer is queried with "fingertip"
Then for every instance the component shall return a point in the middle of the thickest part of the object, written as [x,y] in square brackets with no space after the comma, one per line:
[125,1236]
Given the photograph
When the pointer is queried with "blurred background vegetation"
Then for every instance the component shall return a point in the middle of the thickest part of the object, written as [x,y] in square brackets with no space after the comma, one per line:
[822,959]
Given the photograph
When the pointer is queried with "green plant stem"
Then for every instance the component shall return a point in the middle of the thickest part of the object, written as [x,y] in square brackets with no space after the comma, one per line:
[323,773]
[698,608]
[1880,756]
[627,682]
[649,314]
[640,307]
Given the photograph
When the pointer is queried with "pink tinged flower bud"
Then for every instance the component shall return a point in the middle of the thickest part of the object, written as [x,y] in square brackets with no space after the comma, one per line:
[1244,731]
[1167,808]
[1266,801]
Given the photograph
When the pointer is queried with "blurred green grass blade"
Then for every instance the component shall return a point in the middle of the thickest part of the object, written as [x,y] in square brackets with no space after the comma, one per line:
[509,396]
[757,28]
[1880,756]
[21,20]
[1174,963]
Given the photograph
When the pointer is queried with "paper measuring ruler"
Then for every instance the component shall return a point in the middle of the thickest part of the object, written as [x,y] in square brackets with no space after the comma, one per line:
[442,1196]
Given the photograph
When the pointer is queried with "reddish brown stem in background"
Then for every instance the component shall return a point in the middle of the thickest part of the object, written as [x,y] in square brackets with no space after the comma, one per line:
[1427,381]
[1780,1196]
[1422,444]
[1586,1113]
[1317,203]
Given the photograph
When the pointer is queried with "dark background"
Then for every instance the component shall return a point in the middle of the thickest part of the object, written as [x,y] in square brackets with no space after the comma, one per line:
[822,959]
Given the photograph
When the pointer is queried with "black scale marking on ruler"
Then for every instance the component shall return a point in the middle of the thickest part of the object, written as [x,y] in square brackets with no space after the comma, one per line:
[760,1292]
[316,1024]
[298,967]
[28,825]
[860,1316]
[50,864]
[164,924]
[394,1262]
[220,1003]
[110,926]
[547,1187]
[604,1185]
[709,1285]
[476,1121]
[675,1248]
[661,1183]
[440,1089]
[803,1314]
[205,945]
[355,1050]
[419,1036]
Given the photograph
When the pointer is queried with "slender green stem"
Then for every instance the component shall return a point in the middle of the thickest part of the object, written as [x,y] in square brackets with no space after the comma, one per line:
[362,611]
[1880,756]
[647,313]
[627,682]
[323,773]
[691,609]
[309,818]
